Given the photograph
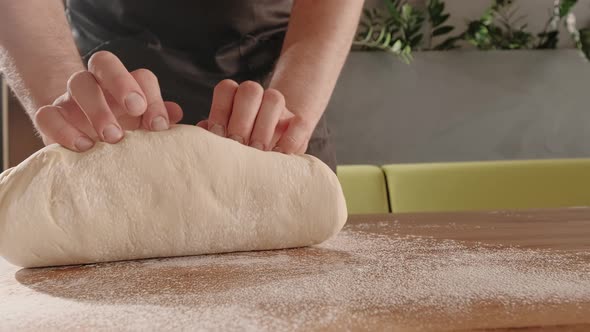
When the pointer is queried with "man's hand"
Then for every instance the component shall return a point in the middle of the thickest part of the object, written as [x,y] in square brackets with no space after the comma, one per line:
[283,117]
[256,117]
[102,102]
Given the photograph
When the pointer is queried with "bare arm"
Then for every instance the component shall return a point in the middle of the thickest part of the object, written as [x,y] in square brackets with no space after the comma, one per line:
[283,117]
[68,104]
[37,51]
[318,40]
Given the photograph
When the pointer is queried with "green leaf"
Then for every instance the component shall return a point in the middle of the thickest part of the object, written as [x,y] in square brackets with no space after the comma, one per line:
[413,30]
[448,44]
[415,41]
[488,17]
[397,46]
[392,5]
[435,8]
[565,6]
[442,30]
[386,42]
[368,36]
[438,20]
[380,37]
[585,41]
[406,12]
[548,40]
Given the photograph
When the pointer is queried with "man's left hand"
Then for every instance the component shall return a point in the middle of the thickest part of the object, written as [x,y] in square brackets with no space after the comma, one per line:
[256,117]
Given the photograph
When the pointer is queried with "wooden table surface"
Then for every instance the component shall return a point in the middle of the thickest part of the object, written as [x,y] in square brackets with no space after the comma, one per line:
[526,270]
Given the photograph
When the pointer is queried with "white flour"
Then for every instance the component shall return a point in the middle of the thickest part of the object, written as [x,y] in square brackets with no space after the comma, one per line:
[351,278]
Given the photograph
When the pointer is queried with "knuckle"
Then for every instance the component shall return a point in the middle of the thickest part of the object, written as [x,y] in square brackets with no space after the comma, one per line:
[78,78]
[251,88]
[226,84]
[262,135]
[238,129]
[290,141]
[145,75]
[63,137]
[99,59]
[274,97]
[64,99]
[42,115]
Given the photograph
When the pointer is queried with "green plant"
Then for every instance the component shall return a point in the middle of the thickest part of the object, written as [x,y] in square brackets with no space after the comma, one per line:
[437,19]
[581,37]
[584,43]
[498,28]
[396,30]
[548,38]
[399,28]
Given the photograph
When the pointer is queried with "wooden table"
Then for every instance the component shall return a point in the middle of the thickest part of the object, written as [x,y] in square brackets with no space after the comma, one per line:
[469,271]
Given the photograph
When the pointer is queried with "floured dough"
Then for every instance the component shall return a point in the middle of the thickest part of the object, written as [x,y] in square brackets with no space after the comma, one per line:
[179,192]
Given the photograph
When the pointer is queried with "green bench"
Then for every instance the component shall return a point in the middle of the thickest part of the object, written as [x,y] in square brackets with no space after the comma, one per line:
[503,185]
[466,186]
[364,189]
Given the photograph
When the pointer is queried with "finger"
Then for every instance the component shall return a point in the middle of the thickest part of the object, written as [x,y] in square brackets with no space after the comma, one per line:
[112,76]
[273,105]
[245,108]
[72,113]
[303,148]
[203,124]
[155,117]
[83,87]
[54,126]
[174,111]
[221,106]
[281,127]
[296,135]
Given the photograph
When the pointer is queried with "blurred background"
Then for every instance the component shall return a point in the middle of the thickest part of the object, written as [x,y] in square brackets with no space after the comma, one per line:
[454,80]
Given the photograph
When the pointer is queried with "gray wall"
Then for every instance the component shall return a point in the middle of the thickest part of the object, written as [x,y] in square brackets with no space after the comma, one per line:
[464,105]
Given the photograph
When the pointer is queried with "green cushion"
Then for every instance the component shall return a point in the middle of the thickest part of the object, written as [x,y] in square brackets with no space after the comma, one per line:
[488,185]
[364,189]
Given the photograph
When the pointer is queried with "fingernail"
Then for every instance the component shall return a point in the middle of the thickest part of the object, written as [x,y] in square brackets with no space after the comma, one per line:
[135,103]
[237,138]
[112,134]
[83,144]
[159,123]
[257,145]
[217,130]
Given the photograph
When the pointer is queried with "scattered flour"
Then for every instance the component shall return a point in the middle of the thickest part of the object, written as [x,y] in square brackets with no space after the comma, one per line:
[351,280]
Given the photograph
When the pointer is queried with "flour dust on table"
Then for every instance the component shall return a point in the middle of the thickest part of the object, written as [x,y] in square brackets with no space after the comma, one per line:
[179,192]
[357,280]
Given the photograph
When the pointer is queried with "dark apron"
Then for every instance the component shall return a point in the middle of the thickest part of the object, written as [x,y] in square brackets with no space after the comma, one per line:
[191,45]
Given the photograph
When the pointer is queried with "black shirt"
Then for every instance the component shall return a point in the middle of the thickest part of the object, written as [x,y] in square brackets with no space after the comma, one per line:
[190,45]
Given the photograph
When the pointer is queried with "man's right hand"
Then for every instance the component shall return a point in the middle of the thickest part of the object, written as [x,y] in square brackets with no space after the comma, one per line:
[102,102]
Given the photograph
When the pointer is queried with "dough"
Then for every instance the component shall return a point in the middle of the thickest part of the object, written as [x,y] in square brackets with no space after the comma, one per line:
[179,192]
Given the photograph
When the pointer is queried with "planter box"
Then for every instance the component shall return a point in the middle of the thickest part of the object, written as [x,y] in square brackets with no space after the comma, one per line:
[462,106]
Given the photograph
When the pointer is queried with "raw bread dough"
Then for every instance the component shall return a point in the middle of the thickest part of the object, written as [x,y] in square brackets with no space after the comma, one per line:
[179,192]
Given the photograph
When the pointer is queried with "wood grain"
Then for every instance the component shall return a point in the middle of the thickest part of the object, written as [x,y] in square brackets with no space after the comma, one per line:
[177,292]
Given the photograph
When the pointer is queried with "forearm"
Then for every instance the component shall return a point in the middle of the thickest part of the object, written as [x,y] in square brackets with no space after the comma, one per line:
[318,40]
[37,51]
